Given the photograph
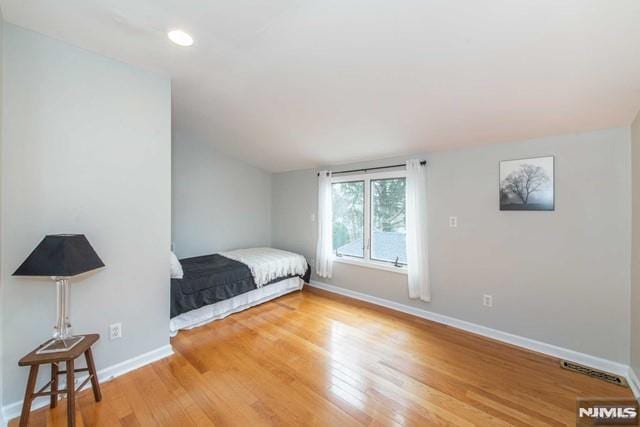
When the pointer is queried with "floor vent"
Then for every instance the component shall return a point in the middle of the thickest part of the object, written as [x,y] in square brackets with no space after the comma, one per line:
[595,373]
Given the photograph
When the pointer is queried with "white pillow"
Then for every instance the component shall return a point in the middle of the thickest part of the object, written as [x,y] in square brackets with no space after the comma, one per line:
[176,267]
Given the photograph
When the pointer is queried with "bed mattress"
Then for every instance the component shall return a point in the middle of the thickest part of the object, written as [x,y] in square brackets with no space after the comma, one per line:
[213,278]
[208,279]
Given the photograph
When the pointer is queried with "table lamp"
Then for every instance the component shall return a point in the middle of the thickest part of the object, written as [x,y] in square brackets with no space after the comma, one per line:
[61,257]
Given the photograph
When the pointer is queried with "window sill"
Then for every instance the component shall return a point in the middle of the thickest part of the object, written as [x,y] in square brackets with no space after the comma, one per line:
[371,264]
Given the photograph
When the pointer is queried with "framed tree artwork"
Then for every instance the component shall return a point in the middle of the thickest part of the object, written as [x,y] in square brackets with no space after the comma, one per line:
[527,184]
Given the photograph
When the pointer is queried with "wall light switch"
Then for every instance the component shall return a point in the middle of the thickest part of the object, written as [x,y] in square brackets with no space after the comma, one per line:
[487,300]
[453,221]
[313,217]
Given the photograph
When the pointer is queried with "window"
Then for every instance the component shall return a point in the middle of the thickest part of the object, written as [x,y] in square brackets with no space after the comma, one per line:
[388,223]
[348,218]
[369,221]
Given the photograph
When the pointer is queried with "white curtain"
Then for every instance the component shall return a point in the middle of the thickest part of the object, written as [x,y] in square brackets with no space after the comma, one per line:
[324,249]
[417,252]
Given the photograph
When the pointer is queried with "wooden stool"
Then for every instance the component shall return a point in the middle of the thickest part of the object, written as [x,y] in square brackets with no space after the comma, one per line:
[68,357]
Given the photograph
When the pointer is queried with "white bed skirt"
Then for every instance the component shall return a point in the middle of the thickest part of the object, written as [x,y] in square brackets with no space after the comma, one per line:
[222,309]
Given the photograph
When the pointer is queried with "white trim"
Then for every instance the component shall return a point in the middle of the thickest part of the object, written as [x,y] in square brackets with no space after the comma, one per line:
[400,173]
[12,410]
[538,346]
[634,383]
[370,264]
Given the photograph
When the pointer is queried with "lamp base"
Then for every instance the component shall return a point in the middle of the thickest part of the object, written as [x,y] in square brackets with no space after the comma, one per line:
[60,345]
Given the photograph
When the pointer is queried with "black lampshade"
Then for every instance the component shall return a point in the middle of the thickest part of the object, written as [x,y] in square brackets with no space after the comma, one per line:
[62,255]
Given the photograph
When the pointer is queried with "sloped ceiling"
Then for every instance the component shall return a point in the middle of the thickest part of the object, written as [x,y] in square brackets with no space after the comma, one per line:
[291,84]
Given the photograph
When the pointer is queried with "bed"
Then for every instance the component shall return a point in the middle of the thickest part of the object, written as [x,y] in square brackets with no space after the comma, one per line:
[215,286]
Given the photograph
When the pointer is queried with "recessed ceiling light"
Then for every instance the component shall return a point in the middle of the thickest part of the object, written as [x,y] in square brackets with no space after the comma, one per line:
[180,38]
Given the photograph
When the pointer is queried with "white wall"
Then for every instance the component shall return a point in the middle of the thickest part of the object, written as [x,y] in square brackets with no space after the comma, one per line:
[635,251]
[219,203]
[87,145]
[1,270]
[558,277]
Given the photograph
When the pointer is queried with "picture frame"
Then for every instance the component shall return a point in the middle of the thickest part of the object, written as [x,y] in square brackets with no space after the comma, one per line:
[527,184]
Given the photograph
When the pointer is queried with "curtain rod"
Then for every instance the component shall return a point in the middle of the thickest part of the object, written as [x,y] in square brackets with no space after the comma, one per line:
[422,162]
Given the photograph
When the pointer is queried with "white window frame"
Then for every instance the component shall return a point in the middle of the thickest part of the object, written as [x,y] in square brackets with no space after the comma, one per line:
[366,261]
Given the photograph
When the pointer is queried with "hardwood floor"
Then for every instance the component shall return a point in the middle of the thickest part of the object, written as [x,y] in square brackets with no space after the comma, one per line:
[314,358]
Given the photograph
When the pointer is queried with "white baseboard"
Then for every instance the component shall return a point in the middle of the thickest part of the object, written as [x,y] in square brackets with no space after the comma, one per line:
[634,383]
[13,410]
[538,346]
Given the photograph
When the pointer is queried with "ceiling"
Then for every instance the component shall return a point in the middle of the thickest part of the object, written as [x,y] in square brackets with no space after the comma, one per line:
[292,84]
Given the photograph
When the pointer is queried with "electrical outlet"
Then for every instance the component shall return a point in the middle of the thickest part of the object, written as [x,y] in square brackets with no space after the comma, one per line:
[115,331]
[487,300]
[453,221]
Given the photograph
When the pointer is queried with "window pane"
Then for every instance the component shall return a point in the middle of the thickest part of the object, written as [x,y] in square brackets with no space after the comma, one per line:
[348,218]
[388,222]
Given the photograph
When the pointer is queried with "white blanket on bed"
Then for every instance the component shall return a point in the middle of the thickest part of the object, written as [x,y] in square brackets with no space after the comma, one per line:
[267,264]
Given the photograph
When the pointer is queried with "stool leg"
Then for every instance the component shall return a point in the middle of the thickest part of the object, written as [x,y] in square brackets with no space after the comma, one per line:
[28,396]
[54,385]
[95,385]
[71,394]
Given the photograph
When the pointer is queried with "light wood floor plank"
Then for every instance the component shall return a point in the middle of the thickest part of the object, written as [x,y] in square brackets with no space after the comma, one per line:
[318,359]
